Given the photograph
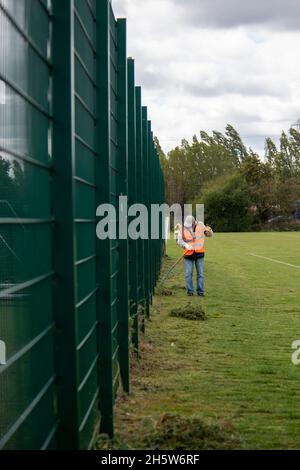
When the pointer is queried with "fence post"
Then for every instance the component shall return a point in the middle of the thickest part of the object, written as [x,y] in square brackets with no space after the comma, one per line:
[140,199]
[103,178]
[63,208]
[146,202]
[123,280]
[150,200]
[132,181]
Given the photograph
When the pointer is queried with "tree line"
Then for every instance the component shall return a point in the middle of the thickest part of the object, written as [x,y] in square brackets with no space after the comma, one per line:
[240,189]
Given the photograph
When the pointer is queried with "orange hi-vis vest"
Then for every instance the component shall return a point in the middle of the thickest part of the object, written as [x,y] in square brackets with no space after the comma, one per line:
[195,239]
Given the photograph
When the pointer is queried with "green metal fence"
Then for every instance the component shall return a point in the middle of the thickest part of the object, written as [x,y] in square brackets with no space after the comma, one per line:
[73,135]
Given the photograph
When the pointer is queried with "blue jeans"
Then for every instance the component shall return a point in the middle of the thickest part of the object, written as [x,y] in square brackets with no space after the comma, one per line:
[189,268]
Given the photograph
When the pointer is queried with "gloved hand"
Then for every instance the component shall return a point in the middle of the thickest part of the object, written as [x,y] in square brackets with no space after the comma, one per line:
[188,247]
[177,230]
[208,231]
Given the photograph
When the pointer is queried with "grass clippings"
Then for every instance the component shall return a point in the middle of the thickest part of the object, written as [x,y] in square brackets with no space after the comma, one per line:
[189,312]
[178,432]
[163,291]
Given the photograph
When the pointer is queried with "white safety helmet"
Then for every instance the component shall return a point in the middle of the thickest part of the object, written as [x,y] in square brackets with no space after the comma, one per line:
[189,221]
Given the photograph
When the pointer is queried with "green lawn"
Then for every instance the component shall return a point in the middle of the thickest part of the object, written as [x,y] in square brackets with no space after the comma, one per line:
[234,368]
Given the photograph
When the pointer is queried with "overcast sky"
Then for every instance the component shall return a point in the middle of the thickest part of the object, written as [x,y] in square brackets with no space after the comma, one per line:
[205,63]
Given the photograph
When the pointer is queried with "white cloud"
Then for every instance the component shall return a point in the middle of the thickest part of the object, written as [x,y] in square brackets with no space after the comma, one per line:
[200,70]
[273,14]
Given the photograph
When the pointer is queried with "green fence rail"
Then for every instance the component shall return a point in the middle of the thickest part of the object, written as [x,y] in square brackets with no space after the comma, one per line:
[73,135]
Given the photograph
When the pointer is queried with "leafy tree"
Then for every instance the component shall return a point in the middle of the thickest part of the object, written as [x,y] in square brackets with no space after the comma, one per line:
[235,143]
[259,179]
[237,186]
[227,208]
[188,167]
[6,185]
[11,186]
[286,160]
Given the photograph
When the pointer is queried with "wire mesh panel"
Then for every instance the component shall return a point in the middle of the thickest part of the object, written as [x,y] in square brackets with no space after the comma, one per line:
[132,199]
[112,138]
[68,144]
[85,210]
[123,277]
[115,176]
[150,200]
[140,169]
[75,194]
[146,186]
[27,394]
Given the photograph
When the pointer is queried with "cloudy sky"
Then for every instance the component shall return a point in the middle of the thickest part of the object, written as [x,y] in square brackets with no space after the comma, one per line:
[205,63]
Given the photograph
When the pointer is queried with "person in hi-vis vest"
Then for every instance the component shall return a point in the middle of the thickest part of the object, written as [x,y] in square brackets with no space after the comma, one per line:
[191,238]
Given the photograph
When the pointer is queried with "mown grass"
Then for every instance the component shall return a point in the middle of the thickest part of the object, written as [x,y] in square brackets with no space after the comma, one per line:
[233,371]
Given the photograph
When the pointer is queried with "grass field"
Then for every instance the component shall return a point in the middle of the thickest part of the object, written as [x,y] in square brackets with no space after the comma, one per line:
[235,368]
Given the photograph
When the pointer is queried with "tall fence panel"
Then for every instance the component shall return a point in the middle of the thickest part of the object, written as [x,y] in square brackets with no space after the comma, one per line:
[27,381]
[113,167]
[86,255]
[140,170]
[132,199]
[73,136]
